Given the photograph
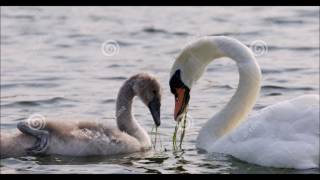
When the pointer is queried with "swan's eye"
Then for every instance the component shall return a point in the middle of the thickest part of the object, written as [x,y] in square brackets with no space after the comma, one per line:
[154,92]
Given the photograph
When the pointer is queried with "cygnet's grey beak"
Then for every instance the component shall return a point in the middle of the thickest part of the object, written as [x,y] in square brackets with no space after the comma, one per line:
[154,107]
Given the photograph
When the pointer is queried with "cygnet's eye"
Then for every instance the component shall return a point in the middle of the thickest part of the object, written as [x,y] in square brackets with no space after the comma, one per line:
[154,92]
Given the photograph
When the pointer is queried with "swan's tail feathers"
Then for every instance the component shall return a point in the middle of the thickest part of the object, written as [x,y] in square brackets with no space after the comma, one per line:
[14,144]
[8,145]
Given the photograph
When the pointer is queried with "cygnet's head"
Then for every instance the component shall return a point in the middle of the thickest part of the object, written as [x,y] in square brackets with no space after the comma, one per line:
[148,88]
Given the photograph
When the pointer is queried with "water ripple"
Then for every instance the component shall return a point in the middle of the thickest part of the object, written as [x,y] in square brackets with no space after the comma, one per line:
[163,31]
[33,103]
[108,101]
[274,87]
[282,21]
[116,78]
[29,85]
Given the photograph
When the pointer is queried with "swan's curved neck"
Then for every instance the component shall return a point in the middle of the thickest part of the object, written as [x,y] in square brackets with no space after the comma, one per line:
[125,120]
[198,55]
[241,102]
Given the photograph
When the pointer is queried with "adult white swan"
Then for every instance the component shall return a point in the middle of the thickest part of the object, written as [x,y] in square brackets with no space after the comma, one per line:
[85,138]
[282,135]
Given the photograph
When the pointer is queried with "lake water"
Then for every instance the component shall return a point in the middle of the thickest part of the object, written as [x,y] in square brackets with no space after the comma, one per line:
[53,63]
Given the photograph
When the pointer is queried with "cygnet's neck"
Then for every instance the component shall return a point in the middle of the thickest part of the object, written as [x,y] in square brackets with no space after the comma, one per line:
[125,120]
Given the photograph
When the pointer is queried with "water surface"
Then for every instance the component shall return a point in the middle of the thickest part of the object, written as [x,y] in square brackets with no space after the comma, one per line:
[52,64]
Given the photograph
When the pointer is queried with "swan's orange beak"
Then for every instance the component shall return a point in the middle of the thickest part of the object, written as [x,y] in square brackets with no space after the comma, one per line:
[181,102]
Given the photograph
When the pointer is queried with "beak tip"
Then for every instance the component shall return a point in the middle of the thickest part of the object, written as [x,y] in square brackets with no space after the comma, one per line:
[177,118]
[157,121]
[154,107]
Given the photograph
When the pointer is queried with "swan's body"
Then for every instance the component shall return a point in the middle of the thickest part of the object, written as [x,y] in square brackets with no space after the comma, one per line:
[282,135]
[84,138]
[74,139]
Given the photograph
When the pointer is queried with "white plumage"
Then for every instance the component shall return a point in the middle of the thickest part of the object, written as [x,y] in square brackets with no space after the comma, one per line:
[284,135]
